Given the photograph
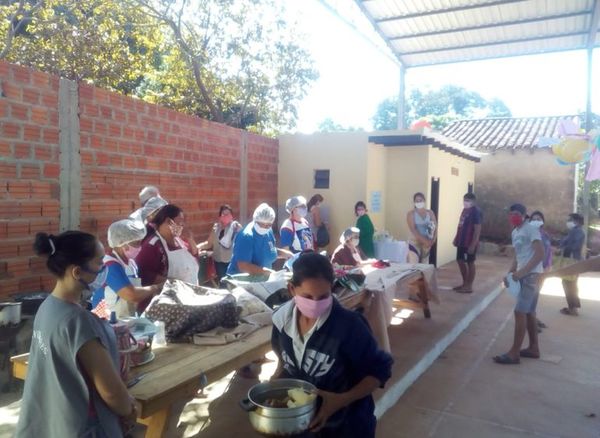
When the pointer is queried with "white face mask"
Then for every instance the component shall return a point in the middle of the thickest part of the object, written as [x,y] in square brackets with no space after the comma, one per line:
[301,211]
[537,223]
[260,230]
[570,225]
[467,204]
[420,204]
[355,241]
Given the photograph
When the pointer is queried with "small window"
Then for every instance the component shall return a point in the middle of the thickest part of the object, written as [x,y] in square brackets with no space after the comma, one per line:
[322,179]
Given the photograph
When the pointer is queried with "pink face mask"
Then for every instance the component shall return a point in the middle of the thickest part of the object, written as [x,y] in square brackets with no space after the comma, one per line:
[226,219]
[313,309]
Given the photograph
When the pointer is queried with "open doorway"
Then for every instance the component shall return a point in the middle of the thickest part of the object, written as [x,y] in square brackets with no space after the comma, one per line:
[435,207]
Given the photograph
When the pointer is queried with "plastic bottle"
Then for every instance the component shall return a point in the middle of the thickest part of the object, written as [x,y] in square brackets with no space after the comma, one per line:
[159,338]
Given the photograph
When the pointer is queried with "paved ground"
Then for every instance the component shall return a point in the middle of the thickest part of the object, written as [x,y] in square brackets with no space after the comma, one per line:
[463,394]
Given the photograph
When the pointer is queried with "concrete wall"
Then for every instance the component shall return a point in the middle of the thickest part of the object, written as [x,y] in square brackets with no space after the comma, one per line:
[358,169]
[344,154]
[534,179]
[377,170]
[406,174]
[120,144]
[455,174]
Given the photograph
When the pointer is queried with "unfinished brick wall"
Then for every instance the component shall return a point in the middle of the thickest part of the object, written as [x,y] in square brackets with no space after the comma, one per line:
[125,144]
[29,173]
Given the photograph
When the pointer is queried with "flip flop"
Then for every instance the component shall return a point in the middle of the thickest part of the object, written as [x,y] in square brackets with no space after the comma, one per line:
[505,359]
[458,287]
[541,324]
[464,291]
[528,354]
[567,311]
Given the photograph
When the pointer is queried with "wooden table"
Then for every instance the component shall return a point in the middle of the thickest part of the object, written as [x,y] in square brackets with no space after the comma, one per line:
[180,370]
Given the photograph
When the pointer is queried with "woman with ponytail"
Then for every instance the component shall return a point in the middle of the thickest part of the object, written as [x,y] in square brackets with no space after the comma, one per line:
[73,388]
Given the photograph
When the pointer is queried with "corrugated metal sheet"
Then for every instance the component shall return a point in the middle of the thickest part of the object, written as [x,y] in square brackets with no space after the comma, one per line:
[503,133]
[424,32]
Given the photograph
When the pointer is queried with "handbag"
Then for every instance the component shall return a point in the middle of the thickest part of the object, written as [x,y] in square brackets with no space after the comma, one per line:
[322,236]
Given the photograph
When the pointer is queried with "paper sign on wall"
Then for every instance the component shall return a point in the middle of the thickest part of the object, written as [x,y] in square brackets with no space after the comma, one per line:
[376,202]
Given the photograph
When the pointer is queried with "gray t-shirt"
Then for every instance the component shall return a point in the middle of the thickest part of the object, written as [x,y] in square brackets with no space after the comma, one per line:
[522,240]
[56,399]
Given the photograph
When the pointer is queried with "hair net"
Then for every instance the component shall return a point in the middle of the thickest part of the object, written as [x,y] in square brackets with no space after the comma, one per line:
[152,205]
[125,231]
[348,233]
[148,192]
[294,202]
[264,213]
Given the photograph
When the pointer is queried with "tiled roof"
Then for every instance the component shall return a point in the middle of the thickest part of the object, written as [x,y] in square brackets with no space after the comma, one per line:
[503,133]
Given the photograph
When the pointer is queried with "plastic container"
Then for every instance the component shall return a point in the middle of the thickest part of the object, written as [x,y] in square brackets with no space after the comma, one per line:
[160,339]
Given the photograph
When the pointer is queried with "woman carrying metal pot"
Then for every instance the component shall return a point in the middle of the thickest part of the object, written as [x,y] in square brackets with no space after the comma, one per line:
[73,387]
[320,342]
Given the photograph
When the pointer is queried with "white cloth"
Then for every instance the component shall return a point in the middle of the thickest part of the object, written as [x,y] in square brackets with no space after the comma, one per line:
[394,251]
[512,286]
[182,265]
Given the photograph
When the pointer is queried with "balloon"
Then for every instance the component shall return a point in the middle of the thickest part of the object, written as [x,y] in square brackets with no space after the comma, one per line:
[573,150]
[544,142]
[562,163]
[567,127]
[420,124]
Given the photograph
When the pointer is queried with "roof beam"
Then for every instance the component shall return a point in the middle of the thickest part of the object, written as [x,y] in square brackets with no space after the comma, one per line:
[491,25]
[368,16]
[444,11]
[492,43]
[487,57]
[594,25]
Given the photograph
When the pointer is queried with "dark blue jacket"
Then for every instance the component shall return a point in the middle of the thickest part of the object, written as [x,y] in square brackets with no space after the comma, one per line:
[573,243]
[338,355]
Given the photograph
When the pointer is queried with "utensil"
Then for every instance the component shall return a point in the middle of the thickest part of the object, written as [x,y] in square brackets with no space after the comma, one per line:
[279,421]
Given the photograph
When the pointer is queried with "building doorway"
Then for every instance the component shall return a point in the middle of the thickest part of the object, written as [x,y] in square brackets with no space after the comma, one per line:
[435,207]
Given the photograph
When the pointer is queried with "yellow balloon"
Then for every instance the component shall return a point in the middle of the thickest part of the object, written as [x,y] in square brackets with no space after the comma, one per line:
[572,150]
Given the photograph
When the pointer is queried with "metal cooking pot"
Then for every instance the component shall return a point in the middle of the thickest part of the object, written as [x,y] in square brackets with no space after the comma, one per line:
[10,313]
[278,421]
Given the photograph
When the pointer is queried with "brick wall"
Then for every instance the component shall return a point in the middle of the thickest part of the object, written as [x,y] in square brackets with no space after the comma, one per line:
[125,144]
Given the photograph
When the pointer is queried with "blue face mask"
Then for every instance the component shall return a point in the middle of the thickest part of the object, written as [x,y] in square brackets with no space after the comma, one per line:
[98,282]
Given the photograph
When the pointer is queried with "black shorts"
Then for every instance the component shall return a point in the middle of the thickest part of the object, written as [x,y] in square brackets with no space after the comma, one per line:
[462,255]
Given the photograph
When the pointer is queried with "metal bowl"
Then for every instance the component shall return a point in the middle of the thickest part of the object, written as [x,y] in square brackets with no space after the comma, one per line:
[278,421]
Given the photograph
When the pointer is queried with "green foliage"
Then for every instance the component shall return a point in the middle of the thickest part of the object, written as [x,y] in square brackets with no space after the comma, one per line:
[108,43]
[240,63]
[440,107]
[235,62]
[328,125]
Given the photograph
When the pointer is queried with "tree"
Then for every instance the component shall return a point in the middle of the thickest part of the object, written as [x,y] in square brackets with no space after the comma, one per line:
[328,125]
[109,43]
[240,63]
[440,107]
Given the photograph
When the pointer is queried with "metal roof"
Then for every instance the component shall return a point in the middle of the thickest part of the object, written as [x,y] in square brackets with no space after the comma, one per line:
[503,133]
[427,32]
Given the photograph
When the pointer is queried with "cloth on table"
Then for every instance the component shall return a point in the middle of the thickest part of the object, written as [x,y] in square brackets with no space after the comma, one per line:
[386,285]
[222,335]
[187,309]
[262,289]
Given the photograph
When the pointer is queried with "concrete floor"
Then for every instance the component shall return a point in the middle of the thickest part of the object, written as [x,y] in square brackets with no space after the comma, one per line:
[465,394]
[455,391]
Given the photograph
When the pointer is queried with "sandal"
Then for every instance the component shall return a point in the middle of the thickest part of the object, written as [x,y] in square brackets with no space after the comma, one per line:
[464,291]
[505,359]
[458,287]
[529,354]
[567,311]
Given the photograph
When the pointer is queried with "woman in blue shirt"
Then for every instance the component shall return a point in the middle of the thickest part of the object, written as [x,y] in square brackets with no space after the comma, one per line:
[123,285]
[319,341]
[254,249]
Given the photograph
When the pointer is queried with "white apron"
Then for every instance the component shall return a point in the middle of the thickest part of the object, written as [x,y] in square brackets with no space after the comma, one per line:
[121,307]
[182,265]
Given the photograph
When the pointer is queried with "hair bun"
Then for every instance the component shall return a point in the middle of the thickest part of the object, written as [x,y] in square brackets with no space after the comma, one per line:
[43,245]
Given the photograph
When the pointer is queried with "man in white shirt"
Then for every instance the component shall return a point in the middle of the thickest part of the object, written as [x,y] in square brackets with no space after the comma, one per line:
[526,269]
